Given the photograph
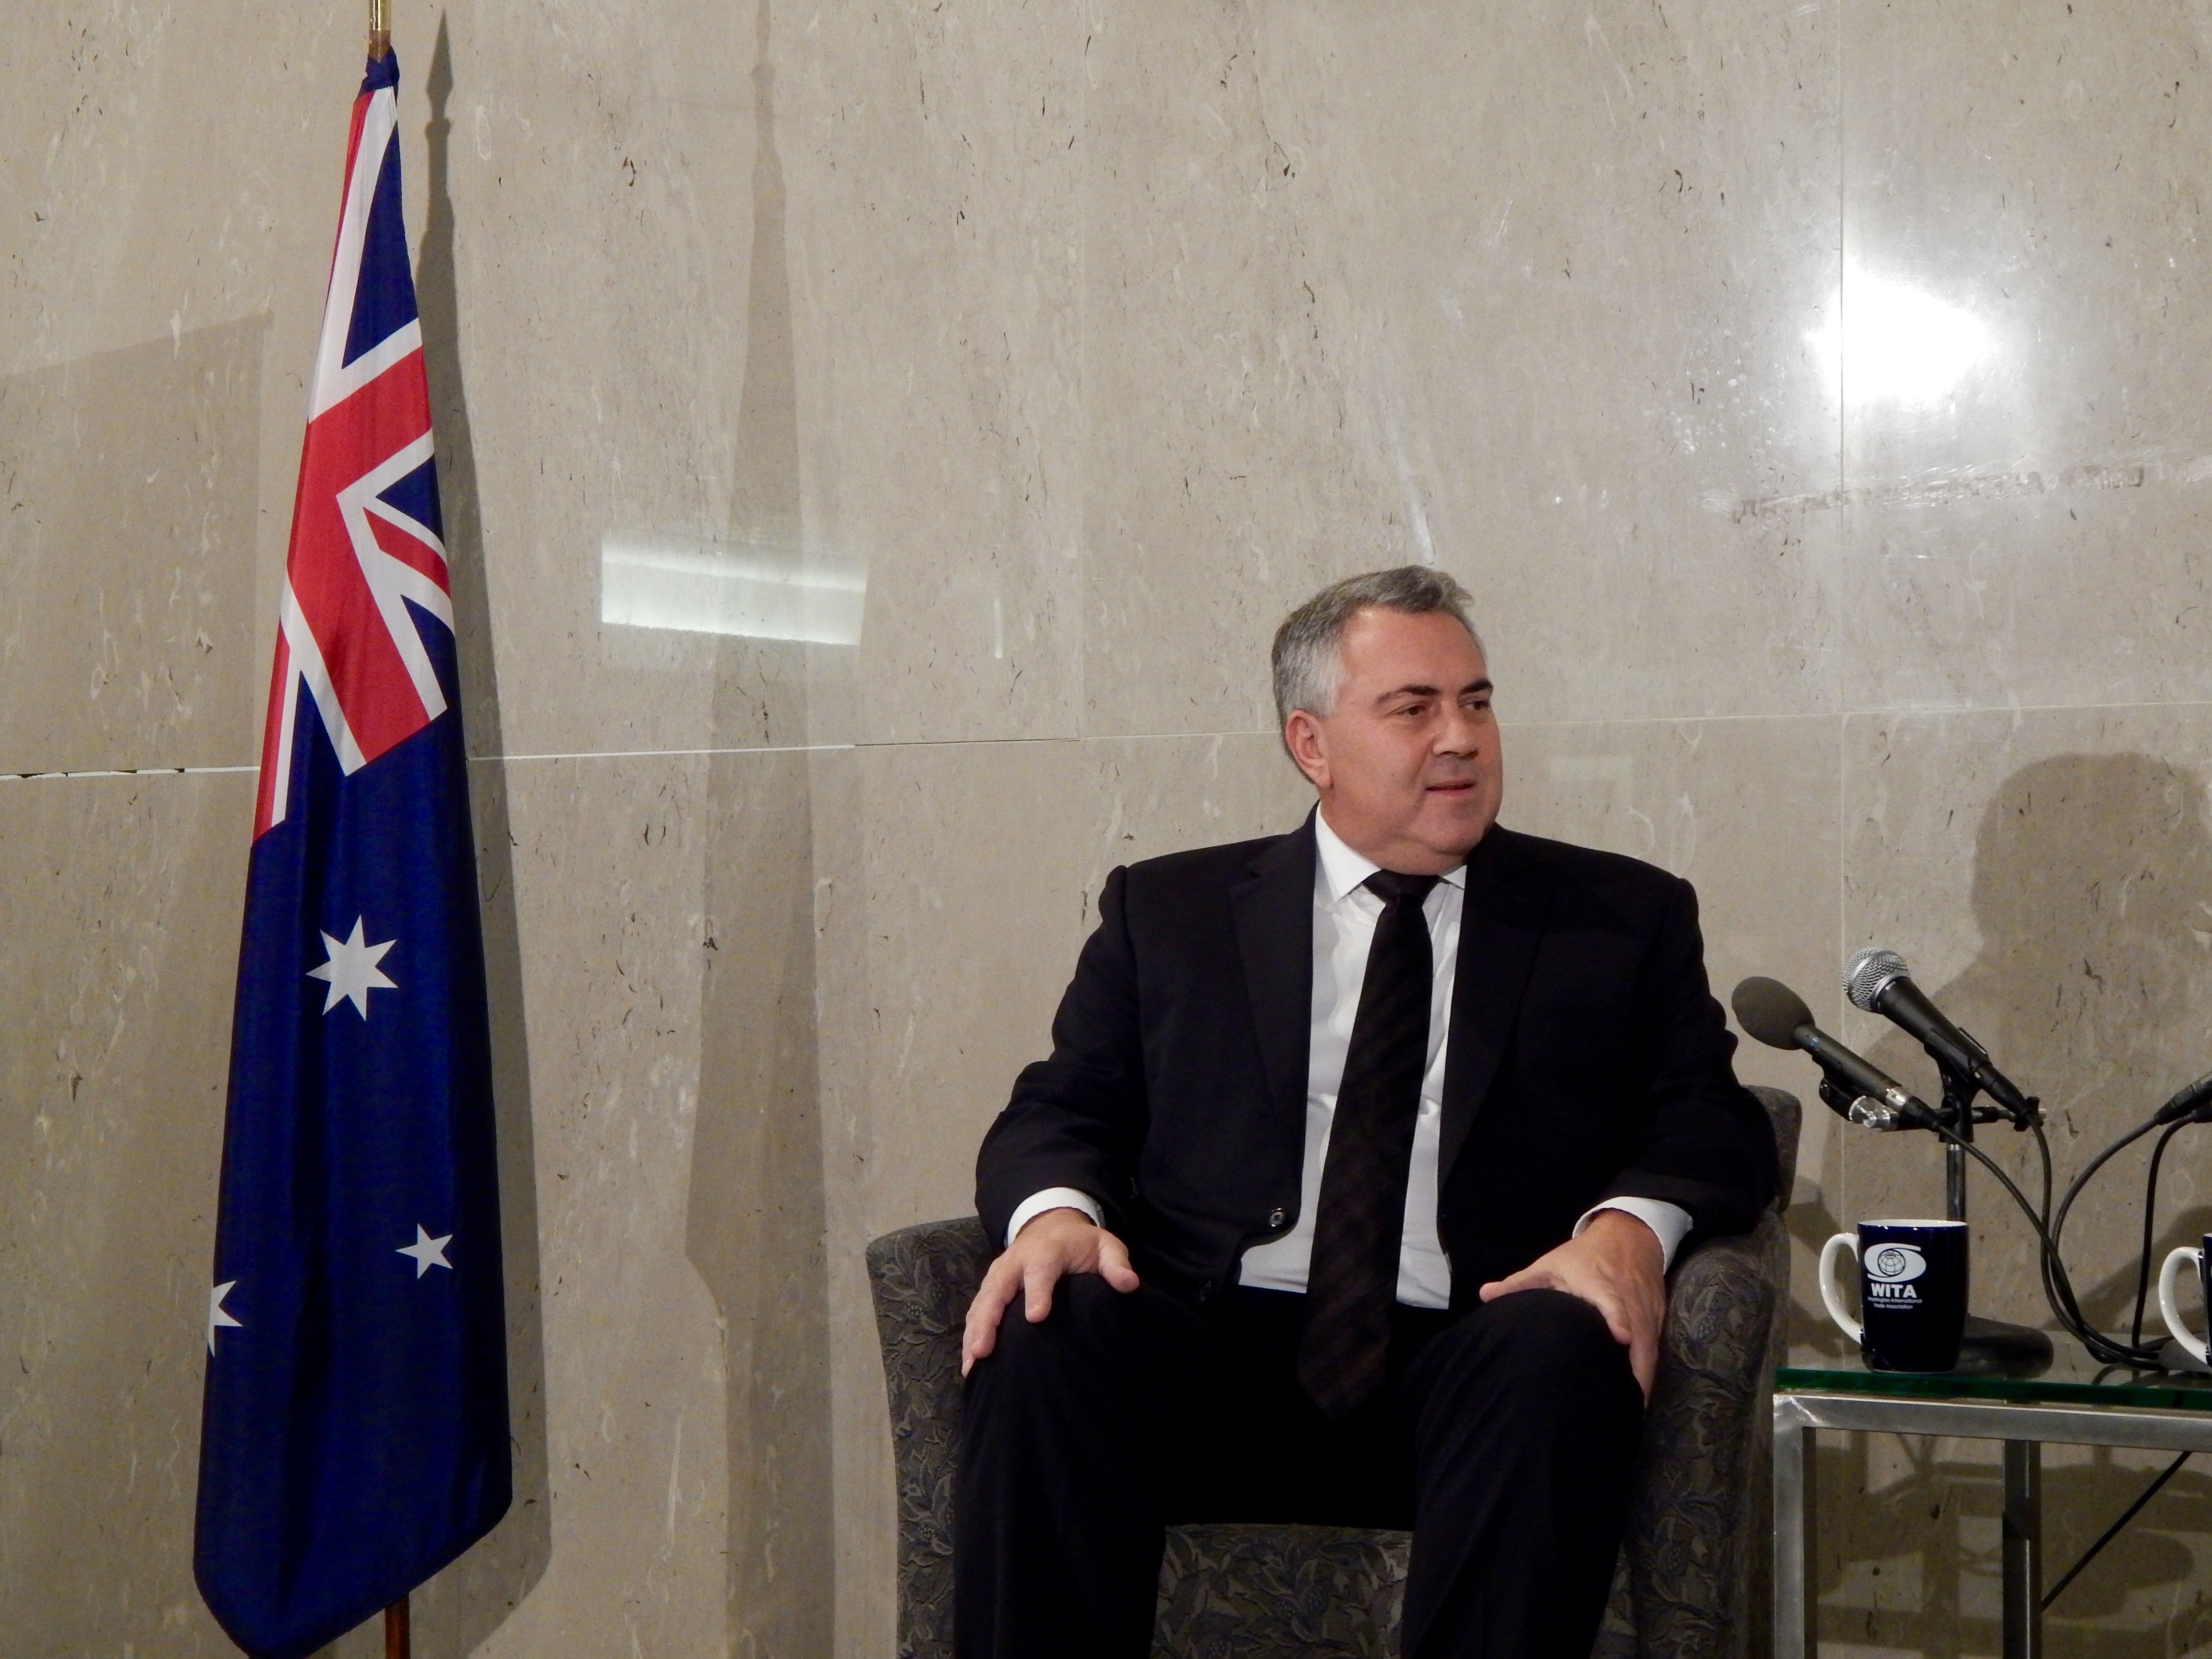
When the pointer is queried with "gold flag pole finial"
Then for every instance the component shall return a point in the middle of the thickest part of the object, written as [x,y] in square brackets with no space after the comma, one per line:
[380,29]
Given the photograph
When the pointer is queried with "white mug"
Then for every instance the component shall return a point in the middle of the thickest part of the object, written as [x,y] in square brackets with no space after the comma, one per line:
[1842,1244]
[2189,1255]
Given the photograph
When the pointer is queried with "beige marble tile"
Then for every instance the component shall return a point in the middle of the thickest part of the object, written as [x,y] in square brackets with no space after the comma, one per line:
[937,272]
[119,904]
[576,412]
[1521,293]
[2024,436]
[1745,810]
[131,480]
[608,862]
[1150,796]
[755,1216]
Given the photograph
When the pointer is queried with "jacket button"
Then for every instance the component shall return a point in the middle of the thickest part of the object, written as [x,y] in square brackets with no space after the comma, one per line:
[1277,1216]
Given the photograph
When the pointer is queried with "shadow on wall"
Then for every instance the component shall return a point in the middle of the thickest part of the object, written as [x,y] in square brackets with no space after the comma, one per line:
[129,481]
[2092,988]
[456,1611]
[757,1212]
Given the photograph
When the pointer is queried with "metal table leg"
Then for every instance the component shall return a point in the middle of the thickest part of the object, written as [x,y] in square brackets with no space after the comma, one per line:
[2023,1549]
[1795,1577]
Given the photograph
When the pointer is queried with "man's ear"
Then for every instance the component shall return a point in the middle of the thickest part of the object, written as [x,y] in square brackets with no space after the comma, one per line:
[1302,736]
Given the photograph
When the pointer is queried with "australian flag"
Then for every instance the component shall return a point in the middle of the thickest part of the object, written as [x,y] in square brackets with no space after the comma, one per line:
[354,1436]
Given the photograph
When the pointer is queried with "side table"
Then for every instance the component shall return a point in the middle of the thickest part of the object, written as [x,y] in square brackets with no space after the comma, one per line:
[2075,1402]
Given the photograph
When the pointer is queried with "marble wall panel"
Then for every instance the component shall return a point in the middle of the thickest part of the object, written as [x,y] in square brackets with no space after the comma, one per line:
[2024,289]
[937,268]
[149,200]
[754,1219]
[586,305]
[131,480]
[623,1538]
[1525,295]
[119,904]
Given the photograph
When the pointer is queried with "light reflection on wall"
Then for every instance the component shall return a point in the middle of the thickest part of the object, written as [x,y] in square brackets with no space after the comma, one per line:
[747,589]
[1886,342]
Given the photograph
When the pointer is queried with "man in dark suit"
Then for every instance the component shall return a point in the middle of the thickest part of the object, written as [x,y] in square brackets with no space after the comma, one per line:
[1348,1192]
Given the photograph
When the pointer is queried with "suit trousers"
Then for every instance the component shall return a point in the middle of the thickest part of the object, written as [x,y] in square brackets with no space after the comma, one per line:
[1505,1439]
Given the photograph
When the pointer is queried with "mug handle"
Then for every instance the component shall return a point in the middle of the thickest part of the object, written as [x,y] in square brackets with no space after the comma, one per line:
[2185,1256]
[1841,1244]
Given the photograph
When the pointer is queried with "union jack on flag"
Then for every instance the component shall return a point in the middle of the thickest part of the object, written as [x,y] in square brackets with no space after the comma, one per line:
[354,1434]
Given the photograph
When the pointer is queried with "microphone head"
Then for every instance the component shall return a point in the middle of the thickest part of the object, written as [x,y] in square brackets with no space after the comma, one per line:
[1770,1010]
[1868,975]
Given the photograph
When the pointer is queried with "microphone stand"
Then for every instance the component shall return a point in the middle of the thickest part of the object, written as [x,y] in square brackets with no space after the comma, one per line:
[1995,1344]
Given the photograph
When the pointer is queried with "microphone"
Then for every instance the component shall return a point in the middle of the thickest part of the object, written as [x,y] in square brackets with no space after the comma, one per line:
[2195,1101]
[1878,981]
[1778,1017]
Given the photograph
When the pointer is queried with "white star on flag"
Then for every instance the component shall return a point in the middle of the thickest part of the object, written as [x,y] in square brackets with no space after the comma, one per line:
[217,1315]
[427,1252]
[351,971]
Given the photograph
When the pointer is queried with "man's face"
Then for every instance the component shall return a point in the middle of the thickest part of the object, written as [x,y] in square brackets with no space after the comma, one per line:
[1408,762]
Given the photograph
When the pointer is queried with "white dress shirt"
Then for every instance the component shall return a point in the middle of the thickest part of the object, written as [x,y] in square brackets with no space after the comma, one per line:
[1344,916]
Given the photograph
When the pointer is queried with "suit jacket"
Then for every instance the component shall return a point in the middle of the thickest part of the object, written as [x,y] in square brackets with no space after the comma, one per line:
[1587,1059]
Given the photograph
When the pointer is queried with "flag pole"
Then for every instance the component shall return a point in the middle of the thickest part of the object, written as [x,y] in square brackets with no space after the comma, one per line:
[398,1637]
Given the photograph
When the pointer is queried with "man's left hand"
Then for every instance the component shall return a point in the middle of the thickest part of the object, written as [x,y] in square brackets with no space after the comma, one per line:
[1619,1268]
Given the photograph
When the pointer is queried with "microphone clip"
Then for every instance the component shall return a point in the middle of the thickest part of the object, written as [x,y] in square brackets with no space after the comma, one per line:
[1868,1112]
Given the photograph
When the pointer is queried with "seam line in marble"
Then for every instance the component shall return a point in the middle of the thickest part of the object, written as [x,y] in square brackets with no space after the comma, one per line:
[668,754]
[1150,737]
[128,772]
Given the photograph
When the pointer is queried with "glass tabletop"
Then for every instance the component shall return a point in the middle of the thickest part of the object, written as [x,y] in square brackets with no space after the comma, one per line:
[2072,1378]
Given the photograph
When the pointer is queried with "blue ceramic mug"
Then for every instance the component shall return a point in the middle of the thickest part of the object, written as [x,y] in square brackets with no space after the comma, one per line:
[1912,1292]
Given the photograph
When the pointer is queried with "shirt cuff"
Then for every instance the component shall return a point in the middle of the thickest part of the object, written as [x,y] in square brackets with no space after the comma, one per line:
[1067,1198]
[1670,1222]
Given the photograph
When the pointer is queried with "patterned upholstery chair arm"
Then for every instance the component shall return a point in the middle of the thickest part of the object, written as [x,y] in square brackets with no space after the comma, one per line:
[923,1278]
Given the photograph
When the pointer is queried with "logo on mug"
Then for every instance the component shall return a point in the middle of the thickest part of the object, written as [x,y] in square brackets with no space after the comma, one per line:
[1890,1271]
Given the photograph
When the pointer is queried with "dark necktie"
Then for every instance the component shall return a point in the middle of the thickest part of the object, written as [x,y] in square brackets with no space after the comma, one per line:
[1353,1279]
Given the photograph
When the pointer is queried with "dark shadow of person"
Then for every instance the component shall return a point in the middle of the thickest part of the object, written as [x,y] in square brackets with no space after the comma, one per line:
[2092,988]
[757,1217]
[455,1612]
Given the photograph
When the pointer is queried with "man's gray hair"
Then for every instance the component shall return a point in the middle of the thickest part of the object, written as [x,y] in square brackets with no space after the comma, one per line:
[1308,654]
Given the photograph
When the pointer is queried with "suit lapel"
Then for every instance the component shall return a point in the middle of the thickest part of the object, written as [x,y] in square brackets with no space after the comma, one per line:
[1273,913]
[1507,910]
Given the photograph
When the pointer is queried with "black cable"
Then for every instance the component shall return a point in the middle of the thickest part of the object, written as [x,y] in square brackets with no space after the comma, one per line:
[2043,1150]
[2150,1214]
[2113,1531]
[2058,1289]
[2073,1191]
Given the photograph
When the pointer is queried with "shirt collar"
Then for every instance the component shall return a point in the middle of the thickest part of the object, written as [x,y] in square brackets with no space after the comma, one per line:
[1341,870]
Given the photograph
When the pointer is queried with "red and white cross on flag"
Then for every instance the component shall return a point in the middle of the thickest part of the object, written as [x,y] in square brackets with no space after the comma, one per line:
[365,540]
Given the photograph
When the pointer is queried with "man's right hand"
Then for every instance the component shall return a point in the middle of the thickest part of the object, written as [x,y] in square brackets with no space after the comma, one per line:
[1049,1245]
